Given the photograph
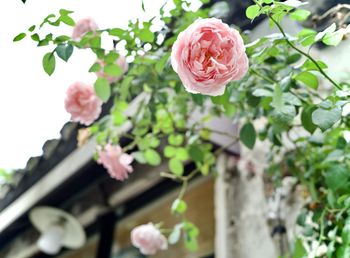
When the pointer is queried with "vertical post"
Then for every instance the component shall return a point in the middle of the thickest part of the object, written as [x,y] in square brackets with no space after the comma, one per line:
[221,240]
[242,229]
[107,223]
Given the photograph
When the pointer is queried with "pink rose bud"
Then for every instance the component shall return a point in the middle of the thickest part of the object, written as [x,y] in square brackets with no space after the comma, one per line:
[148,239]
[82,27]
[208,55]
[82,103]
[115,161]
[121,62]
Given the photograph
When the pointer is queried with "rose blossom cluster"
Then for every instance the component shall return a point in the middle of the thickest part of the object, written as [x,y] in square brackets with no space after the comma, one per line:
[208,55]
[148,239]
[115,161]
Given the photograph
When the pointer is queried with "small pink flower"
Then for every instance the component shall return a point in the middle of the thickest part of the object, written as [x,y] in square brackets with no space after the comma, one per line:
[82,27]
[208,55]
[148,239]
[115,161]
[82,103]
[121,62]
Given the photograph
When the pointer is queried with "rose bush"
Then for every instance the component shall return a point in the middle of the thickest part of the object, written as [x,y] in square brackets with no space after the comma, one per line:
[210,60]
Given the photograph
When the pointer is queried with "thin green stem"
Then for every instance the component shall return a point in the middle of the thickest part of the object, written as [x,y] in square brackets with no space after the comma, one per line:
[262,76]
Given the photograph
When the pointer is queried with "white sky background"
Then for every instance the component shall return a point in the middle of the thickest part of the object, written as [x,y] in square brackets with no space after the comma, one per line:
[31,102]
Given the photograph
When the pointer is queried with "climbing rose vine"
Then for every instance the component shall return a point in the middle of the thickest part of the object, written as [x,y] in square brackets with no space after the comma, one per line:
[184,62]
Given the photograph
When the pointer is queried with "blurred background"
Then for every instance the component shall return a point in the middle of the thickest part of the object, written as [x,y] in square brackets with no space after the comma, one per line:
[38,146]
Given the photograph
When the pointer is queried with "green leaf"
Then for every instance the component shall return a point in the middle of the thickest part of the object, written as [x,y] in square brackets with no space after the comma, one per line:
[35,37]
[333,39]
[179,206]
[152,157]
[300,15]
[113,70]
[161,63]
[111,57]
[139,157]
[175,235]
[306,119]
[64,12]
[169,151]
[176,167]
[67,20]
[191,233]
[196,153]
[309,79]
[326,118]
[277,98]
[146,35]
[96,67]
[102,89]
[124,87]
[31,28]
[49,63]
[328,30]
[175,139]
[299,249]
[181,154]
[247,135]
[116,32]
[309,65]
[64,51]
[95,42]
[307,37]
[337,177]
[284,117]
[252,11]
[19,37]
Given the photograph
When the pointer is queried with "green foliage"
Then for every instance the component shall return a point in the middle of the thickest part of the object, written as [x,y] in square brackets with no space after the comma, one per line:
[19,37]
[179,206]
[49,63]
[247,135]
[64,51]
[152,157]
[299,250]
[102,88]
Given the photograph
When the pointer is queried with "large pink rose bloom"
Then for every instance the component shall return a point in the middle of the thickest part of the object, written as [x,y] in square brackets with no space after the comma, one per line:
[121,62]
[115,161]
[82,103]
[148,239]
[208,55]
[82,27]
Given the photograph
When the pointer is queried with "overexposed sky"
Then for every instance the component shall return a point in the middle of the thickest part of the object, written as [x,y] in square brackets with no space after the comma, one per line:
[31,102]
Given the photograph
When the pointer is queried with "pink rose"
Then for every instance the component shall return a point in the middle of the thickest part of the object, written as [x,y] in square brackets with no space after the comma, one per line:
[115,161]
[148,239]
[208,55]
[82,27]
[82,103]
[121,62]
